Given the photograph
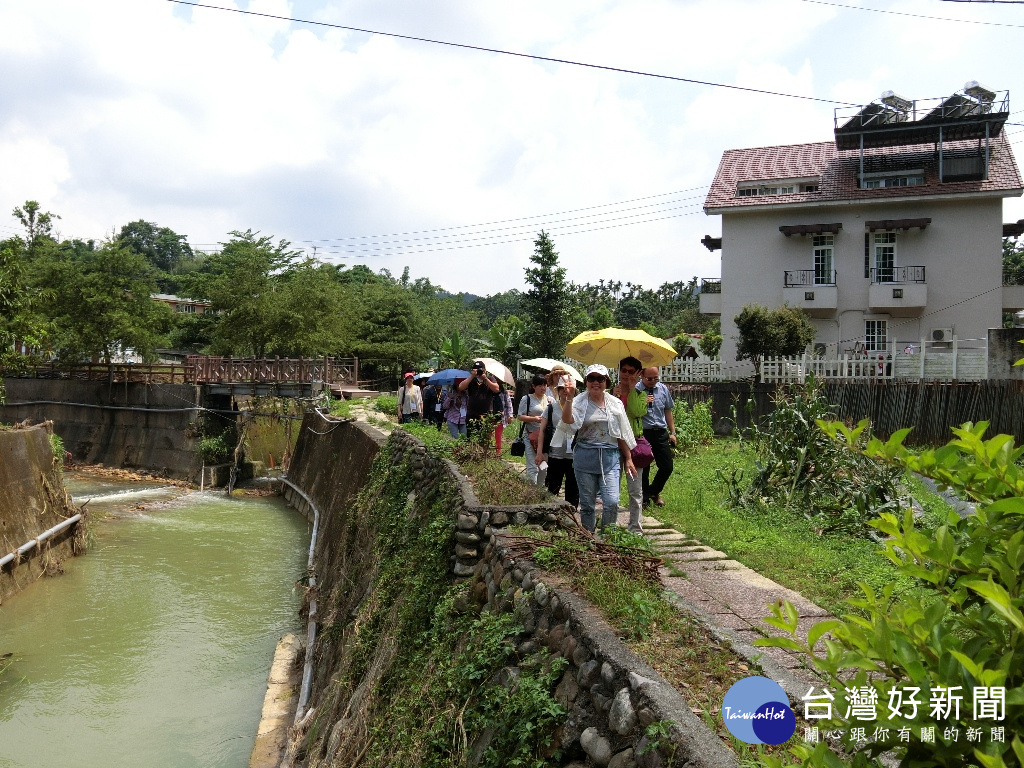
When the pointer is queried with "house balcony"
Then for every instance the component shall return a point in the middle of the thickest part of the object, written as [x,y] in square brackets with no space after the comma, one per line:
[1013,290]
[813,291]
[899,291]
[710,296]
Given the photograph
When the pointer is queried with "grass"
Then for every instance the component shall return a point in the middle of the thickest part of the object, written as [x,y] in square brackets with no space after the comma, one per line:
[779,544]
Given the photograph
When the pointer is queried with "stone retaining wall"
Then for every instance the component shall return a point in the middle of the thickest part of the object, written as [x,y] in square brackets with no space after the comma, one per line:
[612,695]
[32,500]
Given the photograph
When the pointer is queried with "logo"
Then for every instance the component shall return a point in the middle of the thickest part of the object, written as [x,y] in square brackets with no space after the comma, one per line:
[756,710]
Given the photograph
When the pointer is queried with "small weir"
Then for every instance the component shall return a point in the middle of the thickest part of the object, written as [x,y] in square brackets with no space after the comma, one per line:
[153,649]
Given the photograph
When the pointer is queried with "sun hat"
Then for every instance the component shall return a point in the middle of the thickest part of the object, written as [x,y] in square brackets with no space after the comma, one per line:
[598,369]
[408,376]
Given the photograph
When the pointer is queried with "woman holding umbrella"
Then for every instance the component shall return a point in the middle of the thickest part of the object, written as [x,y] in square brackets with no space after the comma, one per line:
[604,439]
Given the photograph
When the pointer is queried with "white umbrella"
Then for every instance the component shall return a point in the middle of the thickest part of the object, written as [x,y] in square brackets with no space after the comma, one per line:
[547,363]
[498,370]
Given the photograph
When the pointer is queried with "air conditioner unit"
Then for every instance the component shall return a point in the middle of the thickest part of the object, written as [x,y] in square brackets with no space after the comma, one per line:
[942,334]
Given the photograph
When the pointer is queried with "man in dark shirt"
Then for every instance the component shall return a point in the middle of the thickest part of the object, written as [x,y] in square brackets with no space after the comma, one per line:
[480,389]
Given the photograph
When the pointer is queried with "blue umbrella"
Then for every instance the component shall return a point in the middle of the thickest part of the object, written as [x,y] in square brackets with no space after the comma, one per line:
[448,376]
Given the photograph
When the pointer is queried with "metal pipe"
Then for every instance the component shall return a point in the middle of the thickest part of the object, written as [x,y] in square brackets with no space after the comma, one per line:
[27,546]
[307,669]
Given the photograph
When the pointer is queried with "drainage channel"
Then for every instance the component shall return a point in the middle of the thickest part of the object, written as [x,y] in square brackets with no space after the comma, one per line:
[152,649]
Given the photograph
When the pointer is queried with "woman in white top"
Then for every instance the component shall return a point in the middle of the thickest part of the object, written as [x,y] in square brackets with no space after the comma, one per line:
[558,454]
[604,439]
[531,413]
[410,401]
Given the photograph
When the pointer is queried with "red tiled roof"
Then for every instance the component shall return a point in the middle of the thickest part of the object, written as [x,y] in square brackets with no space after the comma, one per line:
[837,172]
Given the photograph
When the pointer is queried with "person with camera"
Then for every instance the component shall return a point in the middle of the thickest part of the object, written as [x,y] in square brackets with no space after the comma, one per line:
[531,413]
[480,389]
[557,442]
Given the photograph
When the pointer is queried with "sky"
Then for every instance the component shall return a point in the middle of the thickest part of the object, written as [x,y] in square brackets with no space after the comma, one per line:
[361,148]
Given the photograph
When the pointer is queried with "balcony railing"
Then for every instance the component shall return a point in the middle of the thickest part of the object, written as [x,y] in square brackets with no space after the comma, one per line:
[797,278]
[898,275]
[710,285]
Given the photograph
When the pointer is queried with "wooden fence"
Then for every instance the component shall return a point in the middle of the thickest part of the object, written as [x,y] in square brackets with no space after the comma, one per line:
[202,369]
[931,408]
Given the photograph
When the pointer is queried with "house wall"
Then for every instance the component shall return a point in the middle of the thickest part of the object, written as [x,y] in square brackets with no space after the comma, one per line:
[961,250]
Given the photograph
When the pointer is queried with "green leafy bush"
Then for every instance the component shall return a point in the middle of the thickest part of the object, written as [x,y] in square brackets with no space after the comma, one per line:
[214,449]
[970,633]
[800,468]
[58,450]
[693,425]
[386,404]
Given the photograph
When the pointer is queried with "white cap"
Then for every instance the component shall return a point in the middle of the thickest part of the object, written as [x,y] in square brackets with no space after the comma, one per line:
[596,368]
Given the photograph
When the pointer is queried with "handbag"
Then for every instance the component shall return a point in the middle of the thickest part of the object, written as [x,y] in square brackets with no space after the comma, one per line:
[534,438]
[518,447]
[642,454]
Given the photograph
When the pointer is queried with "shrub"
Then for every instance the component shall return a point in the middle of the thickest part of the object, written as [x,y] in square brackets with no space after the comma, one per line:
[57,448]
[693,425]
[969,634]
[386,404]
[214,449]
[799,467]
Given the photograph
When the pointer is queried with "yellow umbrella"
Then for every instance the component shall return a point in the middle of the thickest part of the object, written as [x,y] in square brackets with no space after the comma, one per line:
[609,345]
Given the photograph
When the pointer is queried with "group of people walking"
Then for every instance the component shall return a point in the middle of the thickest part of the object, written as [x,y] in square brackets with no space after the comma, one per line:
[586,440]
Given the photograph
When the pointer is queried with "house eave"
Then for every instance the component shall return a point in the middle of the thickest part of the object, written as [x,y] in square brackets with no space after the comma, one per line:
[860,201]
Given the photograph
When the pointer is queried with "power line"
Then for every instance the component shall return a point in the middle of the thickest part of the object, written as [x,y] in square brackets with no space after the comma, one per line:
[554,224]
[521,218]
[514,53]
[914,15]
[361,254]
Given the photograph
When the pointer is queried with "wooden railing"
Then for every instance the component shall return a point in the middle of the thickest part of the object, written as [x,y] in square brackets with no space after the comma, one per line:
[202,369]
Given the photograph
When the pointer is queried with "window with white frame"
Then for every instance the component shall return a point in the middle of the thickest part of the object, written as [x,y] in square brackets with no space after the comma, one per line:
[885,256]
[876,334]
[911,178]
[823,248]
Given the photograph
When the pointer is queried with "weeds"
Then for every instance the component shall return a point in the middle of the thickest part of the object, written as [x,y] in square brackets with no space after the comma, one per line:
[693,425]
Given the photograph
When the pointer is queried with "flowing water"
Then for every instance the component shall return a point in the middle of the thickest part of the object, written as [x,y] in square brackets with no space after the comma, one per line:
[152,650]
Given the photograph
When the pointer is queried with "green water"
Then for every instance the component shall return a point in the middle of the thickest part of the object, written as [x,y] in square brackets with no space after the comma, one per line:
[153,649]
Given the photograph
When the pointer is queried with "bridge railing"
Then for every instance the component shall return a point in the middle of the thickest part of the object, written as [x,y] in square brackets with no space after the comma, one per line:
[203,369]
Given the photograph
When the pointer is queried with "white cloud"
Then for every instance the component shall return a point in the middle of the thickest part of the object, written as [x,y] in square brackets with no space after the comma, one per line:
[207,121]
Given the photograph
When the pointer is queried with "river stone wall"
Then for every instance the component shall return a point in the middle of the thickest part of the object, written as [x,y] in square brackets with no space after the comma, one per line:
[611,694]
[32,500]
[133,425]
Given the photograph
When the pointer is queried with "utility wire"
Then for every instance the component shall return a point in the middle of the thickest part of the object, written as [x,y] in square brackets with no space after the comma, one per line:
[521,218]
[360,254]
[463,236]
[913,15]
[515,53]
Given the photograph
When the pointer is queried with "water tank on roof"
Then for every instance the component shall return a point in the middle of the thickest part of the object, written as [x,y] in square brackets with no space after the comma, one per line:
[897,102]
[976,90]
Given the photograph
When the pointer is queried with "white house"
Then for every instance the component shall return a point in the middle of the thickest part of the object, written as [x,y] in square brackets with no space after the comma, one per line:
[891,231]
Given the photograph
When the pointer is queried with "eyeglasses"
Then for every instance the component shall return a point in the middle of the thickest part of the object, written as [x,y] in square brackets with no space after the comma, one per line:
[628,371]
[650,378]
[593,378]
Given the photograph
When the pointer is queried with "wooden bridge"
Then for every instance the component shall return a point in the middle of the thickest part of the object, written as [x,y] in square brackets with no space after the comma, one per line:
[286,377]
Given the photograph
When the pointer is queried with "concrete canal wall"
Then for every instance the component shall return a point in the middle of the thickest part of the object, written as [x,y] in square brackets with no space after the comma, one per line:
[609,694]
[134,425]
[32,500]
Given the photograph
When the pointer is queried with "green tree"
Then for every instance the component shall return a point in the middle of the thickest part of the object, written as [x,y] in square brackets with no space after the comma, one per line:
[313,315]
[601,318]
[767,332]
[99,302]
[711,341]
[633,311]
[38,225]
[1013,262]
[548,301]
[240,282]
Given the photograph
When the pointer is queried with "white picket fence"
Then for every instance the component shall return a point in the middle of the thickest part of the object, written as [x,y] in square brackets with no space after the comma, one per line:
[962,360]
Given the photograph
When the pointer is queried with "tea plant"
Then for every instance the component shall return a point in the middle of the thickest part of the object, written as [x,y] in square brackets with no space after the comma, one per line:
[966,636]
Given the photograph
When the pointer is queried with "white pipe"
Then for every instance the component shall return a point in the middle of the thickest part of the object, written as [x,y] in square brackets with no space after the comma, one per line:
[27,546]
[307,670]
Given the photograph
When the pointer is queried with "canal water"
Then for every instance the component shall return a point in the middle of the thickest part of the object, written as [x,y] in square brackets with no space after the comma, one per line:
[152,650]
